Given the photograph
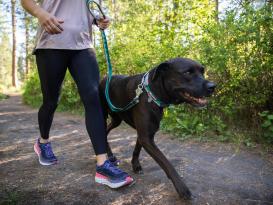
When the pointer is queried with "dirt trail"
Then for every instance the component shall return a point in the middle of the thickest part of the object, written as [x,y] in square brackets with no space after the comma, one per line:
[216,173]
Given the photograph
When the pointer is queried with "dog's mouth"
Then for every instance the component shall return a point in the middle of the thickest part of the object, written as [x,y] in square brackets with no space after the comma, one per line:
[195,101]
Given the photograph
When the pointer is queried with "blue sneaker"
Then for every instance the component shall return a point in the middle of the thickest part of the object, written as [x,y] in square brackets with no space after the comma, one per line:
[112,176]
[45,153]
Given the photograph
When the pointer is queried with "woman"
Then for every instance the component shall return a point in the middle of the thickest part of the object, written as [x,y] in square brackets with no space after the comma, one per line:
[63,41]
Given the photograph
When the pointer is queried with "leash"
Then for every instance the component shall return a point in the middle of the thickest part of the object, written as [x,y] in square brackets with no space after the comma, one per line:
[97,13]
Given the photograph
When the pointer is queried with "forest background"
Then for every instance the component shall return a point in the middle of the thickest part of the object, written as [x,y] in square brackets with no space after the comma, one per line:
[233,39]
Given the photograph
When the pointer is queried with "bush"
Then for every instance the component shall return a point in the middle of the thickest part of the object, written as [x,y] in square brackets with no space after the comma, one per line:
[3,96]
[185,121]
[267,125]
[32,94]
[69,99]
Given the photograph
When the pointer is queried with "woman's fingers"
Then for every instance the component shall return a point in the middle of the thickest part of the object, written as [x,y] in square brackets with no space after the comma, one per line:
[58,23]
[51,24]
[106,20]
[104,23]
[54,28]
[47,29]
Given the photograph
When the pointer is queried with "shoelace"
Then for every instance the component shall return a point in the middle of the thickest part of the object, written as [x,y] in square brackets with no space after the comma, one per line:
[113,168]
[48,150]
[114,160]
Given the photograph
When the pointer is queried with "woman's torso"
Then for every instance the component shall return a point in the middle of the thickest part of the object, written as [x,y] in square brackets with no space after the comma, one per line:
[77,25]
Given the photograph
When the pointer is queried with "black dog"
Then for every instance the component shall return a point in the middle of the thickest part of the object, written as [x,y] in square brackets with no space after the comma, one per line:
[175,81]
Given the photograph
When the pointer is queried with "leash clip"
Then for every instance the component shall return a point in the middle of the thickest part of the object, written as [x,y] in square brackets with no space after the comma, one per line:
[139,90]
[150,99]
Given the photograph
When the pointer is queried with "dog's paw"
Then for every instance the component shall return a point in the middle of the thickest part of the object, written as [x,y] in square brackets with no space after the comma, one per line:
[137,169]
[184,192]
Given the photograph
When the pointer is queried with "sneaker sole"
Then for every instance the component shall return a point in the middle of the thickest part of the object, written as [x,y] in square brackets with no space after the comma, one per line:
[38,152]
[105,181]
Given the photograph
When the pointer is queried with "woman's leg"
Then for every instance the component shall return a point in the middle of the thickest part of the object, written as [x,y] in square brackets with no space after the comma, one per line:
[85,71]
[52,65]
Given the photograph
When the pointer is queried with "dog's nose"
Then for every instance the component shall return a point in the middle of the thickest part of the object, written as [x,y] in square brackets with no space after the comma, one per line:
[210,87]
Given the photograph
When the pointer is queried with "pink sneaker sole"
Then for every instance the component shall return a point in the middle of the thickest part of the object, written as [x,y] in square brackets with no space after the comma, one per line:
[99,178]
[38,152]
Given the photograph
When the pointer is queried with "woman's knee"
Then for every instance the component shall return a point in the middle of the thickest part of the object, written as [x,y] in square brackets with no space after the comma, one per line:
[49,105]
[90,95]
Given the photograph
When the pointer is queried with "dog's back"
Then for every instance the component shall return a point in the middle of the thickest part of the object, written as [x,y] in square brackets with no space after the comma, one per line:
[124,94]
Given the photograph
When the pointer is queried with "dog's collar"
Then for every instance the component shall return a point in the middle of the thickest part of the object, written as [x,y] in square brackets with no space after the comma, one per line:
[151,96]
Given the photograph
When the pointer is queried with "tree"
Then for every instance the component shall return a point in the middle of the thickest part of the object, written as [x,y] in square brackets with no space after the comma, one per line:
[13,19]
[5,59]
[27,36]
[217,10]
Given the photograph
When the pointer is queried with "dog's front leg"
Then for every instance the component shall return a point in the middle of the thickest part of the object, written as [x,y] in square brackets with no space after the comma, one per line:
[135,159]
[148,143]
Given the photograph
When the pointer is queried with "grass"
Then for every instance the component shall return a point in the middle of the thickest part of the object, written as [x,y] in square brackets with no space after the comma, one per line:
[10,198]
[3,96]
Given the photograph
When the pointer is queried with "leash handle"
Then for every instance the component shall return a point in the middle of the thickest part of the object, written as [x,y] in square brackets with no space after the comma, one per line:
[95,6]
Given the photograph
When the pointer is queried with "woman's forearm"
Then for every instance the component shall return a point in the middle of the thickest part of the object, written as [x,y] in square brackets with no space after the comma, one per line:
[32,7]
[50,23]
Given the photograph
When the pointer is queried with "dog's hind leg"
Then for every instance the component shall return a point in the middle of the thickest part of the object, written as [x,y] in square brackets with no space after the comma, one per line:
[115,122]
[135,159]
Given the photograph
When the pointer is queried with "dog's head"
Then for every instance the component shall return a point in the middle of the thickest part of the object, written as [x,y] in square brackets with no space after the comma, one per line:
[184,81]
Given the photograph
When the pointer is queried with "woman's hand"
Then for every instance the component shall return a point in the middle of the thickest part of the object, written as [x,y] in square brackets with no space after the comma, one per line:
[51,24]
[103,23]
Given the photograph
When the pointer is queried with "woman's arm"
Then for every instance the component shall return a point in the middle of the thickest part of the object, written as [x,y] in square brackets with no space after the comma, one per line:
[51,24]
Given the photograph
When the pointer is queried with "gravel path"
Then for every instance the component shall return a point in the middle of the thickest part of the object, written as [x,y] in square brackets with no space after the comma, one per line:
[216,173]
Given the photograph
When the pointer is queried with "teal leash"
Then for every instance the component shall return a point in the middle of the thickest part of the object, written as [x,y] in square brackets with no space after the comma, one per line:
[108,80]
[109,66]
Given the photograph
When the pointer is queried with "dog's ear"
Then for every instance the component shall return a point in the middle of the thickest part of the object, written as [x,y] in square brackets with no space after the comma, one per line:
[159,70]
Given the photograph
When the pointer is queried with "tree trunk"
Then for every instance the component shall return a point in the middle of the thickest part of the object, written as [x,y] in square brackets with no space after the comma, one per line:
[217,11]
[14,76]
[27,42]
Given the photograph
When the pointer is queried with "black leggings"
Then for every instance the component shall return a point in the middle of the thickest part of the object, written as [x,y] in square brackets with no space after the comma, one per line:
[83,67]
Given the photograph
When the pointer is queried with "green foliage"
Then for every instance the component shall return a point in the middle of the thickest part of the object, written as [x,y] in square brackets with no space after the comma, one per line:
[32,94]
[267,125]
[3,96]
[181,122]
[237,52]
[69,99]
[239,56]
[186,121]
[11,197]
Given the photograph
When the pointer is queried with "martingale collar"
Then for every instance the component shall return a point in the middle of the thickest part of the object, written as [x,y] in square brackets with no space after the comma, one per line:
[152,97]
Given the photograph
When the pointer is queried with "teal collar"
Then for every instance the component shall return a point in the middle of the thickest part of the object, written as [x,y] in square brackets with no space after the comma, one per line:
[151,96]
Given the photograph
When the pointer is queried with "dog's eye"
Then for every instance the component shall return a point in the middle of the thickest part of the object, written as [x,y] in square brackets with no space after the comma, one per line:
[189,72]
[202,69]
